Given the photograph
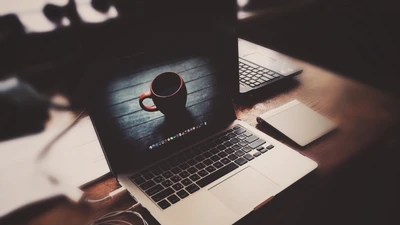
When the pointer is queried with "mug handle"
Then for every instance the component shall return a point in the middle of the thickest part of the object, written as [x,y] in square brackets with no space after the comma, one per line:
[145,107]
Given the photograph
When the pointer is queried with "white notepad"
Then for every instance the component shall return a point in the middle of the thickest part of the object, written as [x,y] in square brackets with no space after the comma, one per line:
[298,122]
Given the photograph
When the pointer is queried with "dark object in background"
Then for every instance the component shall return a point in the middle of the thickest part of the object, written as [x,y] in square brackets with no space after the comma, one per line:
[53,13]
[22,109]
[101,5]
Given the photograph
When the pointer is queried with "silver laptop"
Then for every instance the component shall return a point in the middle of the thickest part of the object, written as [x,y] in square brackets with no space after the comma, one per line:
[203,166]
[260,67]
[200,165]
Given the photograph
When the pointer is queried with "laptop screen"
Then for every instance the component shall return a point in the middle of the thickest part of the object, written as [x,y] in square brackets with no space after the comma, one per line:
[171,94]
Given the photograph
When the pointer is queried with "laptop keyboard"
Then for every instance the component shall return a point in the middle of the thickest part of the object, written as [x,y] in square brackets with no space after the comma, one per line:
[253,75]
[185,173]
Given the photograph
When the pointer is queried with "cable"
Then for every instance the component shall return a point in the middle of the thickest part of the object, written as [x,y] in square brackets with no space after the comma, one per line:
[105,219]
[110,195]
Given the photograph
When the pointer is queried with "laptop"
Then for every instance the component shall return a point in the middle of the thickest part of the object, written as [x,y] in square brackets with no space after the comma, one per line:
[201,165]
[260,67]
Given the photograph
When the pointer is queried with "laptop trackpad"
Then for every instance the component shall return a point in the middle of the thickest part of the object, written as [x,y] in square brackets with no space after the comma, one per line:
[245,190]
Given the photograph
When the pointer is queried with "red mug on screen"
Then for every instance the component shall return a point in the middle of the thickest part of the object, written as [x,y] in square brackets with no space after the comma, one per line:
[168,92]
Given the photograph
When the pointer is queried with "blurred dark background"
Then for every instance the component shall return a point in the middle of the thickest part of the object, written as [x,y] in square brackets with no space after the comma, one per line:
[359,39]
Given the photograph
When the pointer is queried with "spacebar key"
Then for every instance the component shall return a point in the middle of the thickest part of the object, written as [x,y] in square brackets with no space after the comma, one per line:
[218,174]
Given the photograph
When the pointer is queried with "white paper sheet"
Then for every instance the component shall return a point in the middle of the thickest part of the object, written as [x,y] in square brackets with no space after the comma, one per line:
[74,160]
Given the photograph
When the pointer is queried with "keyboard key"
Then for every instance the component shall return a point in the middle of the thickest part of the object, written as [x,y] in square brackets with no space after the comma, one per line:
[154,190]
[191,162]
[265,78]
[246,149]
[259,148]
[157,171]
[257,143]
[243,143]
[159,179]
[247,134]
[202,173]
[232,157]
[225,161]
[177,186]
[270,147]
[229,151]
[173,199]
[251,138]
[163,194]
[192,170]
[241,137]
[176,178]
[256,154]
[218,165]
[228,144]
[186,182]
[214,151]
[139,180]
[234,140]
[240,161]
[192,188]
[239,153]
[176,170]
[207,154]
[164,204]
[200,166]
[221,147]
[248,157]
[236,147]
[222,154]
[236,127]
[184,174]
[148,176]
[215,158]
[167,175]
[269,76]
[240,130]
[182,194]
[210,169]
[263,150]
[218,174]
[184,166]
[167,183]
[147,185]
[194,177]
[207,162]
[199,158]
[231,135]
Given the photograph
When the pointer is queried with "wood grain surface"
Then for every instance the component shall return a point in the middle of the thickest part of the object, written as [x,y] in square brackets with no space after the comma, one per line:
[365,118]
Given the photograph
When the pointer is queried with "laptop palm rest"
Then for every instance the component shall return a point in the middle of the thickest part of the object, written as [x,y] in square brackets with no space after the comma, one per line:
[245,190]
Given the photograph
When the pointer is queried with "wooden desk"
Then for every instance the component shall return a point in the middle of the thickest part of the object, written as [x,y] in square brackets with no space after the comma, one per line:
[356,162]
